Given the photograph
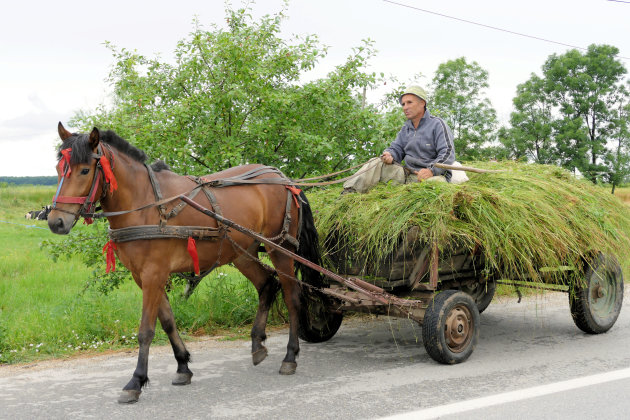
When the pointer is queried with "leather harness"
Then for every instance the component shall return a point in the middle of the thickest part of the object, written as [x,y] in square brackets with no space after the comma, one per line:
[164,231]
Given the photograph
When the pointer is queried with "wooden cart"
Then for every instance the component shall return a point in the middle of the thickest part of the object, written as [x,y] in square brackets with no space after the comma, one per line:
[443,294]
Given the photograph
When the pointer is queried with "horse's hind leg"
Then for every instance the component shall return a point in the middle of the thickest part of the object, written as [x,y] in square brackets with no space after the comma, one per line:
[167,320]
[267,286]
[291,294]
[266,296]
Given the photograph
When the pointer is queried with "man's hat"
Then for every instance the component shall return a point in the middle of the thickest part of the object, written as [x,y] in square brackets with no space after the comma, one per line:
[414,90]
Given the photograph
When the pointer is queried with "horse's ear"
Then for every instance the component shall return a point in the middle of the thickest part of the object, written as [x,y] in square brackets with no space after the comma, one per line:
[94,138]
[63,133]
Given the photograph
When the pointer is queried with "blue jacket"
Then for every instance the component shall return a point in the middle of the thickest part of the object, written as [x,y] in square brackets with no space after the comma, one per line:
[430,143]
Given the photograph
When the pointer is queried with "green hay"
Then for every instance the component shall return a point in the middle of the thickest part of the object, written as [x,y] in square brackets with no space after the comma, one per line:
[525,218]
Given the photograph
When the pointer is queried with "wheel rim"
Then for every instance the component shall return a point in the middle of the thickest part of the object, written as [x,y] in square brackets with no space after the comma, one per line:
[459,329]
[602,294]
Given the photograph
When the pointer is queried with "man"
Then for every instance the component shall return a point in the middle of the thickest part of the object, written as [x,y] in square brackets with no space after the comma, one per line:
[423,141]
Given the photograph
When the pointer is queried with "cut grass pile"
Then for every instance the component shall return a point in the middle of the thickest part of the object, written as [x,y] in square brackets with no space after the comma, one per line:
[525,218]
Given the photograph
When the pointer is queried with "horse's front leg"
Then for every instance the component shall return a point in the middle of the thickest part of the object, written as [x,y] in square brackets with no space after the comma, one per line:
[167,320]
[152,296]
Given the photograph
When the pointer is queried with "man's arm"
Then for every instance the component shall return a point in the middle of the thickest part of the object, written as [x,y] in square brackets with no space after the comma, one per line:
[444,147]
[395,150]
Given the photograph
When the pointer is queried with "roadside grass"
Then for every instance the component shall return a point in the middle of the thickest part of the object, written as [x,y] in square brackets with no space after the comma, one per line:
[46,310]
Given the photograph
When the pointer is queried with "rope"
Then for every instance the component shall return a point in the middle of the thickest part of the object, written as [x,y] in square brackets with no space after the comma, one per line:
[20,224]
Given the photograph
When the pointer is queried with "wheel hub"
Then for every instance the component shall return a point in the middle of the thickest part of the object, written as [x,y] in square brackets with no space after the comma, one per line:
[459,328]
[602,294]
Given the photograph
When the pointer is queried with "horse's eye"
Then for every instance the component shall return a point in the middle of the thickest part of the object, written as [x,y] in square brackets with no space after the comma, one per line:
[85,171]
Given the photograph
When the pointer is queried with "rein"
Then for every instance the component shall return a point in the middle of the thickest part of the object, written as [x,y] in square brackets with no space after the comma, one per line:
[87,211]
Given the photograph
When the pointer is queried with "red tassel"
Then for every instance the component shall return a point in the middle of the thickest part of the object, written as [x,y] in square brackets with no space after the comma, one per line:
[65,160]
[192,250]
[110,257]
[109,174]
[296,192]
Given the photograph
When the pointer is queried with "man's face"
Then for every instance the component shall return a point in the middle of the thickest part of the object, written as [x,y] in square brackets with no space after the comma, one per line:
[412,106]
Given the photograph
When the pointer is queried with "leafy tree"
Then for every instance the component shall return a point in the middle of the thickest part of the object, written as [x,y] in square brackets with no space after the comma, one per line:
[584,88]
[459,98]
[531,122]
[618,158]
[234,96]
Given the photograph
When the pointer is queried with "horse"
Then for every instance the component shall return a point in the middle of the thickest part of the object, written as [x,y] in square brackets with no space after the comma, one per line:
[102,167]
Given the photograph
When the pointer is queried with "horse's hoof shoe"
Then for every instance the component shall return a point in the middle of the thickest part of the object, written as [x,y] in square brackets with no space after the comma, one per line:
[182,378]
[259,355]
[288,368]
[129,396]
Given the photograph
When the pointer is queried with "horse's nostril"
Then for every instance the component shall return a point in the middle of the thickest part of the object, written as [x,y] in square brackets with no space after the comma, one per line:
[56,225]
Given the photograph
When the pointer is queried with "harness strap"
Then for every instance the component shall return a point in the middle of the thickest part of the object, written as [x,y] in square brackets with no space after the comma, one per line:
[287,221]
[192,194]
[135,233]
[158,195]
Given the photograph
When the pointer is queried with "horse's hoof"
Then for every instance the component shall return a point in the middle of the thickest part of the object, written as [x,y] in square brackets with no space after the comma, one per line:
[129,396]
[182,378]
[288,368]
[259,355]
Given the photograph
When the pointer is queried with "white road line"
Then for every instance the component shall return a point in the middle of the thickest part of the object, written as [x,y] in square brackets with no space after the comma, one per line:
[521,394]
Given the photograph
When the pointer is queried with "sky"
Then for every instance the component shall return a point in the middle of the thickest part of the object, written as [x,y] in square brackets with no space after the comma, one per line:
[53,61]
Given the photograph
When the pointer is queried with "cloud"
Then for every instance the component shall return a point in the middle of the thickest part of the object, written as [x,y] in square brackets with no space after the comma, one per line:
[31,124]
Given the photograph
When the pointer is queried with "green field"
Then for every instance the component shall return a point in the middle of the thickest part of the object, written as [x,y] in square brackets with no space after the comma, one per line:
[46,310]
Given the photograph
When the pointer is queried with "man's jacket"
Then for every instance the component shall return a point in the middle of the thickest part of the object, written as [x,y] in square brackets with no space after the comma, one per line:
[430,143]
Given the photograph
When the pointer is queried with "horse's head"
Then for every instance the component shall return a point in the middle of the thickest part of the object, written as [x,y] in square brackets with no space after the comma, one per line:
[83,170]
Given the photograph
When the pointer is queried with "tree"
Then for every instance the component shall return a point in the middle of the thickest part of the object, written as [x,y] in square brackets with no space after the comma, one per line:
[459,98]
[584,88]
[618,158]
[531,122]
[233,96]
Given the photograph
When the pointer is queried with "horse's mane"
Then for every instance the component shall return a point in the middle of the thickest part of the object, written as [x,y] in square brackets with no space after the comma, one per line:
[82,152]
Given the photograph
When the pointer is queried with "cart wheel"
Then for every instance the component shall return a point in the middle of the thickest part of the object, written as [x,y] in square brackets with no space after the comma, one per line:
[596,300]
[318,322]
[451,327]
[482,293]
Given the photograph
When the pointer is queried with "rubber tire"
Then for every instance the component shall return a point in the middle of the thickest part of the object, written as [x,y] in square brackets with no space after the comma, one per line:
[318,323]
[434,328]
[593,314]
[482,297]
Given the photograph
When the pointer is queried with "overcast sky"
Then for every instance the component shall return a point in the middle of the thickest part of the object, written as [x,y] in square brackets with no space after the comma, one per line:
[53,61]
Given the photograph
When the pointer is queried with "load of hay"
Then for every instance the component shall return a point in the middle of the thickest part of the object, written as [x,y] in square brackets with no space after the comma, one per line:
[524,218]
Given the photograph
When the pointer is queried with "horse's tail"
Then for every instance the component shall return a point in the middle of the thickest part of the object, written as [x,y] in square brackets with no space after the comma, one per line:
[309,245]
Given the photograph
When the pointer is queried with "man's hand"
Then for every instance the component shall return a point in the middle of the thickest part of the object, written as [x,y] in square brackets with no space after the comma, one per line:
[387,158]
[424,173]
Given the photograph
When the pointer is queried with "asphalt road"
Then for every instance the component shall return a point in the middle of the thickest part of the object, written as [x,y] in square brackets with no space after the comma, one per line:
[531,362]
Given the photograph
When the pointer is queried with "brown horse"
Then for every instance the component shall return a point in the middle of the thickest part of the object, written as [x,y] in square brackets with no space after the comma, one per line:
[103,167]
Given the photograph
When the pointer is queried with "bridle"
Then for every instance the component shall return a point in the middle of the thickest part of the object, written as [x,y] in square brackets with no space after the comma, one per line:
[103,172]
